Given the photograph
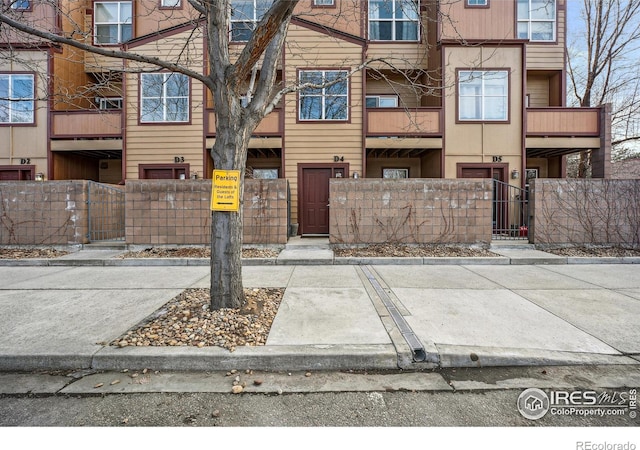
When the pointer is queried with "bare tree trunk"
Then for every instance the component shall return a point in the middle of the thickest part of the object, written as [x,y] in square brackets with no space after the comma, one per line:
[229,153]
[226,265]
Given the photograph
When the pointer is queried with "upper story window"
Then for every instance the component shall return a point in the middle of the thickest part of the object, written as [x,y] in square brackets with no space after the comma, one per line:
[170,3]
[394,20]
[245,15]
[483,95]
[323,2]
[537,20]
[21,5]
[113,22]
[329,101]
[17,98]
[477,2]
[164,97]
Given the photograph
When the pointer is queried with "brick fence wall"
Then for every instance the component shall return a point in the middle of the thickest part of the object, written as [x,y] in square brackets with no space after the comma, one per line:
[43,213]
[593,211]
[412,211]
[179,212]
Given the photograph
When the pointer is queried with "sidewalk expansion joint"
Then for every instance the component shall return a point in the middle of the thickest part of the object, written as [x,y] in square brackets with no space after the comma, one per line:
[417,349]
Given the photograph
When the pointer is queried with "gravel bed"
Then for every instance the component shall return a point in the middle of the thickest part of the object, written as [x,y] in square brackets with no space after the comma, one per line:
[22,253]
[594,251]
[395,250]
[195,252]
[187,321]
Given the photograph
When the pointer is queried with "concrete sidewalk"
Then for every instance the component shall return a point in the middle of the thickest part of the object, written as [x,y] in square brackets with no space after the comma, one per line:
[333,316]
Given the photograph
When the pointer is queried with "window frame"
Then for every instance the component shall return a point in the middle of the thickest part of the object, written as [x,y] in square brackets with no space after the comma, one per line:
[109,103]
[393,20]
[119,24]
[529,21]
[323,95]
[380,97]
[163,100]
[469,4]
[317,4]
[16,100]
[253,21]
[178,6]
[404,170]
[264,170]
[14,5]
[483,96]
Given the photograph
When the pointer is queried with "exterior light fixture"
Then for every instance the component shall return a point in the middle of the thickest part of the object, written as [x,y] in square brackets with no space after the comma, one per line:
[356,175]
[515,174]
[39,176]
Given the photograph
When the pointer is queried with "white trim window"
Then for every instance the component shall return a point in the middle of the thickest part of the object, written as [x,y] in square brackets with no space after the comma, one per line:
[395,174]
[17,98]
[483,95]
[537,20]
[170,3]
[245,15]
[382,101]
[477,3]
[329,100]
[394,20]
[112,22]
[164,97]
[265,174]
[323,2]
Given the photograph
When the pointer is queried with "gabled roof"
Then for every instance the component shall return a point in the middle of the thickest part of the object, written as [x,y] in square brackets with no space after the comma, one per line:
[161,34]
[329,31]
[177,29]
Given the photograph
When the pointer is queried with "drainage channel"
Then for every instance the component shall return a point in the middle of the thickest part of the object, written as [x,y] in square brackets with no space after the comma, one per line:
[417,349]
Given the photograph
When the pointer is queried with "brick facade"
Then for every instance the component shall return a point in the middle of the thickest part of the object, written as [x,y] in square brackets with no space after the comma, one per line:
[412,211]
[37,213]
[585,211]
[179,212]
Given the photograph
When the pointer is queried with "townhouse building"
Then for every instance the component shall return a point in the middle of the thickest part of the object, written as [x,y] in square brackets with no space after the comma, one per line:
[448,89]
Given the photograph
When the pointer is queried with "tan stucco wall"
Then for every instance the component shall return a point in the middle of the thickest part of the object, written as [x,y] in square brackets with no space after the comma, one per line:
[480,142]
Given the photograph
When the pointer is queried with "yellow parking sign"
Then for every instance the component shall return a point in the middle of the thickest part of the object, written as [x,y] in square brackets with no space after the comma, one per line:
[225,190]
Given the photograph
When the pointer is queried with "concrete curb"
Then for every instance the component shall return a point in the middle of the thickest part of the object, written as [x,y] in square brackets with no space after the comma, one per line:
[292,358]
[166,262]
[469,356]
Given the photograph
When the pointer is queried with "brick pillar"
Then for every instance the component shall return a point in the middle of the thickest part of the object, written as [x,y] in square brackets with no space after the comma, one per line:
[601,158]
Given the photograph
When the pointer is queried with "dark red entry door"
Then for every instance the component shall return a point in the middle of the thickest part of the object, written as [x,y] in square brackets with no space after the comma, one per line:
[500,201]
[315,200]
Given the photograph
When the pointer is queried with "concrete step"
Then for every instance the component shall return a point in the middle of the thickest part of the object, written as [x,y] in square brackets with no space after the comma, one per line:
[105,245]
[308,243]
[511,243]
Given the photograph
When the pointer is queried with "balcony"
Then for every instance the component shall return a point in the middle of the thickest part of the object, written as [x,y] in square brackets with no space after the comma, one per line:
[84,124]
[415,122]
[271,125]
[563,122]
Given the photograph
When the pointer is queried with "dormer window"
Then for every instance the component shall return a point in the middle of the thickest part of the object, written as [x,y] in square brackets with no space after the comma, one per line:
[113,22]
[537,20]
[394,20]
[245,15]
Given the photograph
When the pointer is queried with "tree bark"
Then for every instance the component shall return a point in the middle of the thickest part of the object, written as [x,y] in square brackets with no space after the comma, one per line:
[226,265]
[228,153]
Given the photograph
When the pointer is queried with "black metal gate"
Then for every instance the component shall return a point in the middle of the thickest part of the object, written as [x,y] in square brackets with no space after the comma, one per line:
[510,211]
[106,212]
